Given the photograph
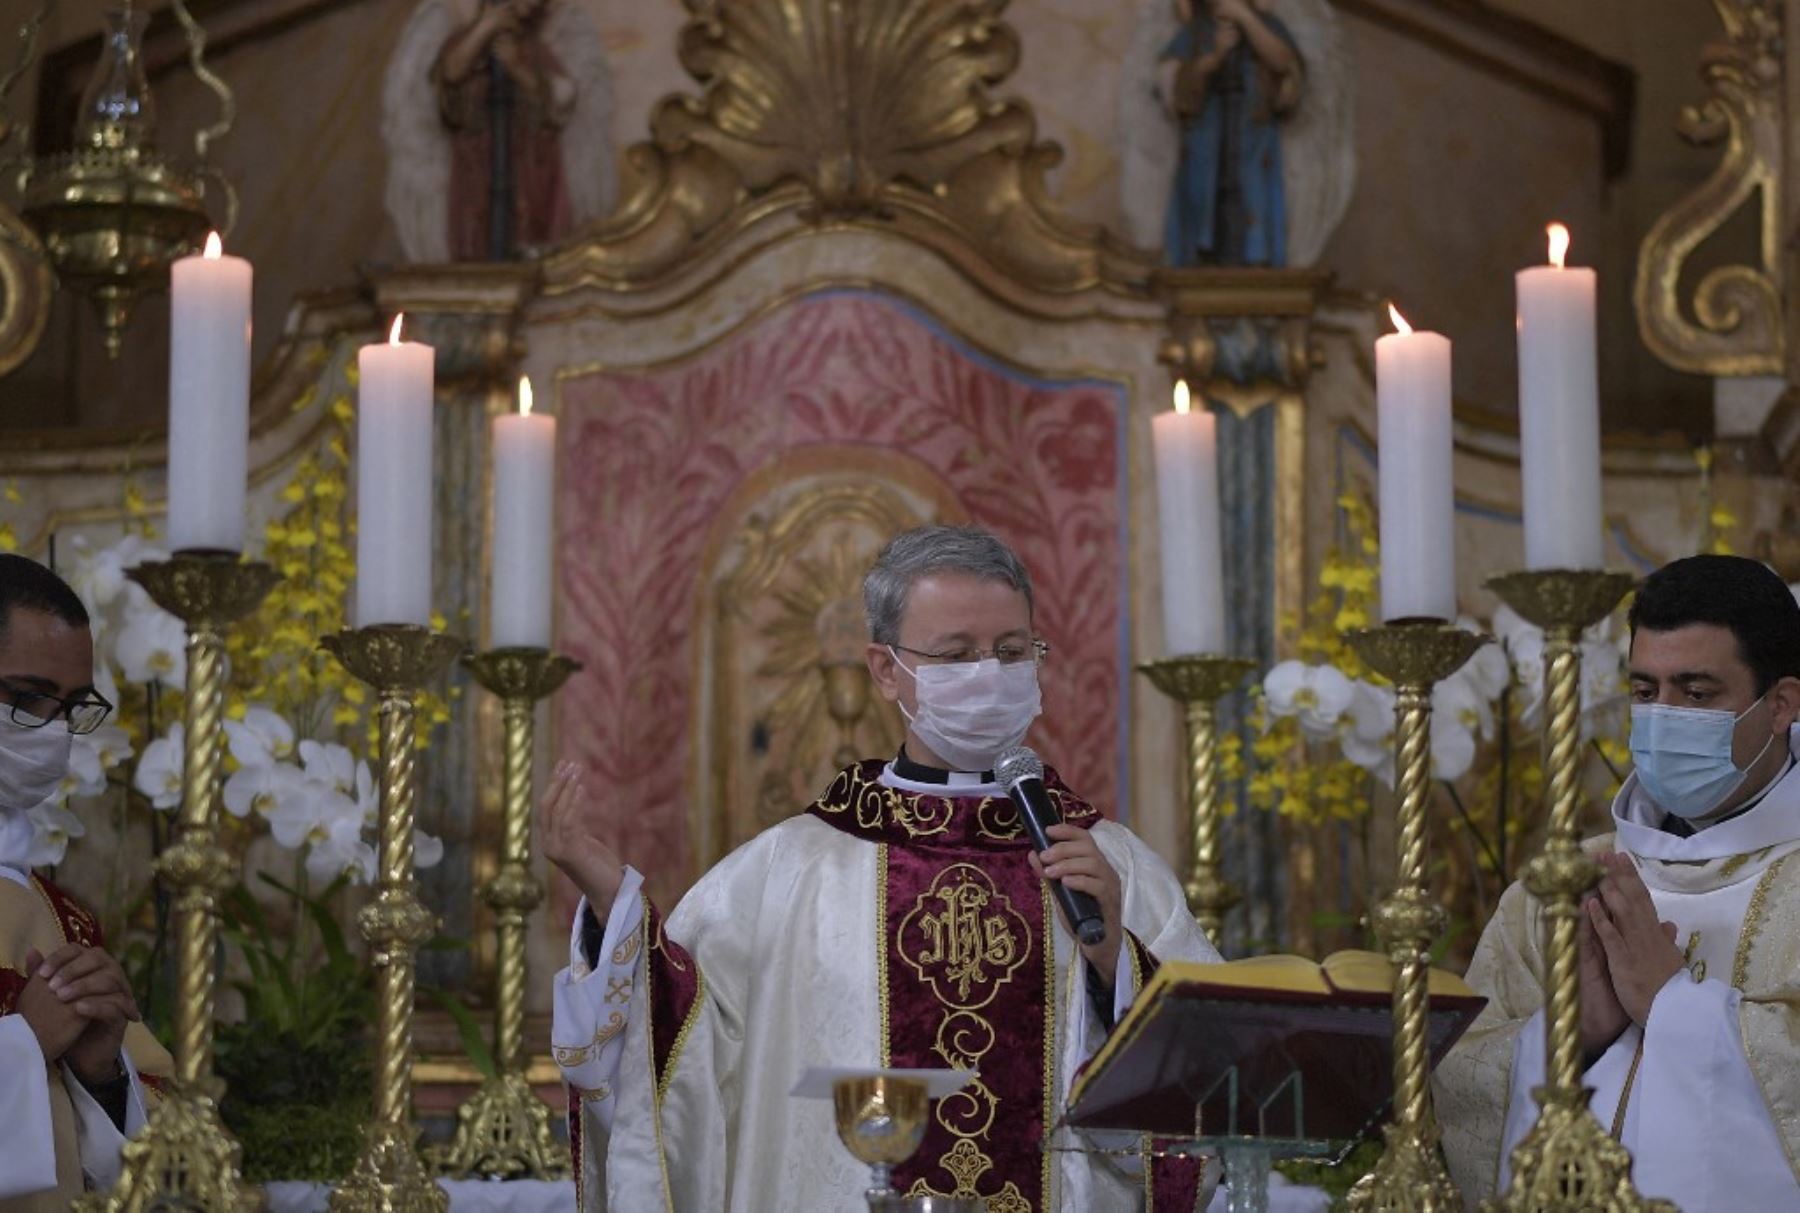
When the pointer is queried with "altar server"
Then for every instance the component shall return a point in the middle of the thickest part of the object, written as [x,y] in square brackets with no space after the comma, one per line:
[71,1044]
[1690,969]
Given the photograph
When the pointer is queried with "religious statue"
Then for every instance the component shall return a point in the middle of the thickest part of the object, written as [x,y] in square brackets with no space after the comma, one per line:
[1236,133]
[496,114]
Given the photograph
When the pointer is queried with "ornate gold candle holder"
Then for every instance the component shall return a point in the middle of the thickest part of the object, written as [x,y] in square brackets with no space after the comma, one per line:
[1567,1161]
[504,1128]
[1414,655]
[1197,682]
[396,660]
[185,1157]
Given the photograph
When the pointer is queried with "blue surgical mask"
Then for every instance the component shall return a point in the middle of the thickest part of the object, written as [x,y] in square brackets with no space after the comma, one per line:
[1683,756]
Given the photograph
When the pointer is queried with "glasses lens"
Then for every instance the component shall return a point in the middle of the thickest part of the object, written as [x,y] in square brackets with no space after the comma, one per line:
[34,711]
[86,717]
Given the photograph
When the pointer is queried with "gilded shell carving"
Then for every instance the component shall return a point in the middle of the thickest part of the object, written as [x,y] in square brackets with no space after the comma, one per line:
[844,111]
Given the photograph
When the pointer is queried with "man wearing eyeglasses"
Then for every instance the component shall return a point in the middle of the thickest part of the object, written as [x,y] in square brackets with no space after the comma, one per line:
[903,921]
[70,1038]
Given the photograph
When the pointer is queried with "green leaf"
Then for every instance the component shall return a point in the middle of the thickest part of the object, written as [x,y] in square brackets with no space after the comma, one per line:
[474,1041]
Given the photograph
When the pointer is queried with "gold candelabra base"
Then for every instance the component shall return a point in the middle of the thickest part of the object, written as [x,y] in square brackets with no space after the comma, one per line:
[390,1176]
[185,1157]
[1197,681]
[503,1130]
[1415,655]
[1567,1161]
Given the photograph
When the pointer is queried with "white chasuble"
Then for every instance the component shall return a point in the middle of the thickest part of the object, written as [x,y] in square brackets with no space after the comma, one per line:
[887,926]
[1707,1095]
[55,1139]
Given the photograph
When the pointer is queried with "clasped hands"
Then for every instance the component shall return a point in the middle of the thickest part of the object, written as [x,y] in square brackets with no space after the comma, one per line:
[77,1002]
[1628,955]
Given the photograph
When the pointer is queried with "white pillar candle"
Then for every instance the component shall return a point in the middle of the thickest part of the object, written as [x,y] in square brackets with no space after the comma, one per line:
[1559,413]
[1187,496]
[394,482]
[523,541]
[1418,552]
[209,399]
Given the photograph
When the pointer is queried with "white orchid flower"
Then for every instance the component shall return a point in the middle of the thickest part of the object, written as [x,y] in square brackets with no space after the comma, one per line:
[428,851]
[1317,694]
[1366,734]
[159,770]
[262,737]
[340,849]
[105,683]
[1459,698]
[52,828]
[87,774]
[1452,747]
[1488,669]
[98,576]
[305,818]
[332,765]
[152,647]
[261,789]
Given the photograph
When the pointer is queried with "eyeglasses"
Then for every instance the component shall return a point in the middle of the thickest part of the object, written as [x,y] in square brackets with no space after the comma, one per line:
[35,709]
[1010,653]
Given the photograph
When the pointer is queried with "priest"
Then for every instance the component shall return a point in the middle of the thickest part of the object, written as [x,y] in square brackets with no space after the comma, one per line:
[903,920]
[71,1040]
[1690,958]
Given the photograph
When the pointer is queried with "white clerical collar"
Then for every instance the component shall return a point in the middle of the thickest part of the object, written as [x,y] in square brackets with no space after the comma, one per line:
[1773,820]
[955,783]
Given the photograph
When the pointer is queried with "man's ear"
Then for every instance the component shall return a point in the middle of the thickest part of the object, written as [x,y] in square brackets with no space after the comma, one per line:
[885,671]
[1784,697]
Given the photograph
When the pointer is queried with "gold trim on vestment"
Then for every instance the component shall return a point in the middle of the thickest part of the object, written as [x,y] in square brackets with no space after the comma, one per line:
[881,947]
[1759,897]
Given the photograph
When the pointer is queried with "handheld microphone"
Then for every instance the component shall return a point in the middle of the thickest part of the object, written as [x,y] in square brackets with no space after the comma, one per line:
[1021,772]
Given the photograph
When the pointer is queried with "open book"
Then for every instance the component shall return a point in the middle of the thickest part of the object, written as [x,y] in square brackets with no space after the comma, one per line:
[1272,1046]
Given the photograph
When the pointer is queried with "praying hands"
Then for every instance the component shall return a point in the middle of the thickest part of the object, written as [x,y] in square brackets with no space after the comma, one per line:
[1640,953]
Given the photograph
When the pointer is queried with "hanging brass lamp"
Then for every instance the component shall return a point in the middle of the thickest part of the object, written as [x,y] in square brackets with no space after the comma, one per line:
[115,212]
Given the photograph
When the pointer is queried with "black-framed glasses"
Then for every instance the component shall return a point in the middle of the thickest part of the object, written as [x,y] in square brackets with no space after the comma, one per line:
[1011,652]
[35,709]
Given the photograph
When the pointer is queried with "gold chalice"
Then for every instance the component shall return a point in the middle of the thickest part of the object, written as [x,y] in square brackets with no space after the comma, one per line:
[881,1121]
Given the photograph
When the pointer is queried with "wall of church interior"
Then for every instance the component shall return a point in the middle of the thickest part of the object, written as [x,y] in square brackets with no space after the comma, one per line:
[1468,143]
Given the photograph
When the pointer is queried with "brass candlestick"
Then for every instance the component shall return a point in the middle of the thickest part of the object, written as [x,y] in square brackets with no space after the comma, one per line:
[1197,681]
[1567,1161]
[185,1157]
[504,1128]
[1414,655]
[396,660]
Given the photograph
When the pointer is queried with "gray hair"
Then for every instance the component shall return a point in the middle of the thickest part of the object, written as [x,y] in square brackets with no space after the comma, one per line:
[925,550]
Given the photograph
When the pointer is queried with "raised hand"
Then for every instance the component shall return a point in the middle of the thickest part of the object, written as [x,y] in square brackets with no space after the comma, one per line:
[574,838]
[1075,859]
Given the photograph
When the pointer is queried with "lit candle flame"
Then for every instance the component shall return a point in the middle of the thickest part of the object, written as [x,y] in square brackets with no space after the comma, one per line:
[524,396]
[214,249]
[1182,400]
[394,333]
[1559,244]
[1400,325]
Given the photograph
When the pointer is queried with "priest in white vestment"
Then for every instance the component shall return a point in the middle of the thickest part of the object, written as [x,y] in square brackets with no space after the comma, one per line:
[70,1044]
[1690,993]
[903,921]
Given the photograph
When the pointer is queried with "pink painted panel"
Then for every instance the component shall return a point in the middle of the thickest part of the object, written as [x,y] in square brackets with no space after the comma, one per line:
[648,459]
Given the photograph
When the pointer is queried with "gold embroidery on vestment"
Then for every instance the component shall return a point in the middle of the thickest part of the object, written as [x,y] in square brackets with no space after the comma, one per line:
[618,989]
[1740,967]
[629,948]
[972,937]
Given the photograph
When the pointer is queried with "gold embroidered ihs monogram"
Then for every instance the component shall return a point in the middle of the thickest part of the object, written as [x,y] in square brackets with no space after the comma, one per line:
[963,937]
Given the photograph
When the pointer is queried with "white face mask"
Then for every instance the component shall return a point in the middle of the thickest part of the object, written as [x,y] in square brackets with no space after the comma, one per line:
[33,763]
[969,711]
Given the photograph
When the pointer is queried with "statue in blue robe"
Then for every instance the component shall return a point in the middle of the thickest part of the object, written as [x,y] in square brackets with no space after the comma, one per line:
[1233,74]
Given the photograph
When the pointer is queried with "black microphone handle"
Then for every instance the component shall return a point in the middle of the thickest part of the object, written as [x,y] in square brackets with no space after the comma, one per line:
[1080,911]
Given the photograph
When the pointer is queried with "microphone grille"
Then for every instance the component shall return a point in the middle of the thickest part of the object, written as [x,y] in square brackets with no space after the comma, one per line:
[1019,762]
